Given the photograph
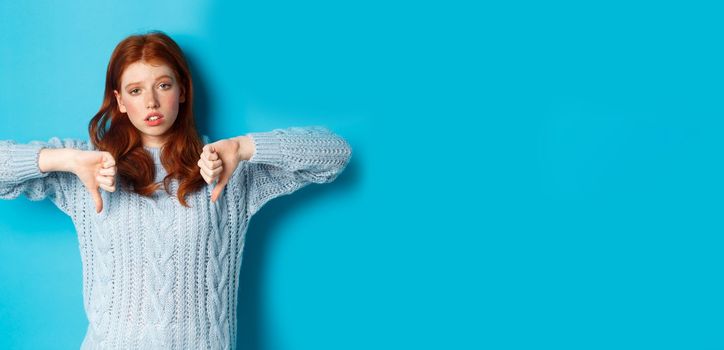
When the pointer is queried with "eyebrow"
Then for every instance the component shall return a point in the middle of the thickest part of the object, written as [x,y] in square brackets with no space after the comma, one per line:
[157,79]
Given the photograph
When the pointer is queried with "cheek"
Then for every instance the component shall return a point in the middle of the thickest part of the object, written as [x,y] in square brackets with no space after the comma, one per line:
[172,102]
[132,107]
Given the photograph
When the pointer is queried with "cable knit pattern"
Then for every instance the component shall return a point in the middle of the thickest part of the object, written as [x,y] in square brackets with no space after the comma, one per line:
[156,274]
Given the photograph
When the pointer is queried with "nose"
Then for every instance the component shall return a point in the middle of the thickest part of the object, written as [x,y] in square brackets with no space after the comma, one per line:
[151,100]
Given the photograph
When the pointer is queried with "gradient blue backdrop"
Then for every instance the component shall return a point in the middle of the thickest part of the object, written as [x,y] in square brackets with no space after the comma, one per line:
[524,176]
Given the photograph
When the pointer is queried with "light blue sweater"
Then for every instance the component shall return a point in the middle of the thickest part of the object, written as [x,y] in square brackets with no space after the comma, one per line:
[156,274]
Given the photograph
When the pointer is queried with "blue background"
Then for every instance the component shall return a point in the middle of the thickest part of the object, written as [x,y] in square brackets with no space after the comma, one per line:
[524,176]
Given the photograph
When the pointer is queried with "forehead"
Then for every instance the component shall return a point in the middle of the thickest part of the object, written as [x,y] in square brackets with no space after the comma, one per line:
[145,71]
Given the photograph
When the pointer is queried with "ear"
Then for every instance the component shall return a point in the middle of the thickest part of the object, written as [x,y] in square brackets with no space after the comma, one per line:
[121,107]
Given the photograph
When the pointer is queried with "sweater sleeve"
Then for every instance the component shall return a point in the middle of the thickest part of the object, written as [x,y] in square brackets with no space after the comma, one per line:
[21,175]
[286,160]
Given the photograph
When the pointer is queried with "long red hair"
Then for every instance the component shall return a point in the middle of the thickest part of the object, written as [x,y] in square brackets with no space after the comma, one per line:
[111,131]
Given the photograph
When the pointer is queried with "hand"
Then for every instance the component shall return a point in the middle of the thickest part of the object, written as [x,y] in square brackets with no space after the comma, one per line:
[96,169]
[217,162]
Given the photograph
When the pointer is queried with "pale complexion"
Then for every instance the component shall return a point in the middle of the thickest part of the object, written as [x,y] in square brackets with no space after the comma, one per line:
[95,169]
[220,159]
[148,88]
[145,89]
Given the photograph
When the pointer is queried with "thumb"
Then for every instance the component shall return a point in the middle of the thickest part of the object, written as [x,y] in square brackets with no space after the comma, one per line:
[218,189]
[107,160]
[97,199]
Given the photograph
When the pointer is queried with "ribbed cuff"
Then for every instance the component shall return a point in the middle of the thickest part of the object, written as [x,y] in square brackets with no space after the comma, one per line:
[267,147]
[25,160]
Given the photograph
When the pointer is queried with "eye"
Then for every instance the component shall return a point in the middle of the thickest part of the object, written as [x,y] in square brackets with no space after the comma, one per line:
[165,86]
[135,91]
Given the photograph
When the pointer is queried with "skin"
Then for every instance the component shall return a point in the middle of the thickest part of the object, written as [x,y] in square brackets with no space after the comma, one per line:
[146,88]
[95,169]
[219,160]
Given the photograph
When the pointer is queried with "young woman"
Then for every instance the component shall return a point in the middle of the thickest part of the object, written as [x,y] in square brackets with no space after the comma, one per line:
[161,214]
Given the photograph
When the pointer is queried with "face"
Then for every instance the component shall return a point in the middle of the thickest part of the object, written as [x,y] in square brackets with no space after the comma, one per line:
[150,91]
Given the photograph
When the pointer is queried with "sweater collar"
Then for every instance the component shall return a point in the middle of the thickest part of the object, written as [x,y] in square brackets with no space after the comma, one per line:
[155,153]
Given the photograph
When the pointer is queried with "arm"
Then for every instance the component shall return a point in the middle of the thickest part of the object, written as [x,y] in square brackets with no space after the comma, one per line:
[61,159]
[21,174]
[282,161]
[246,147]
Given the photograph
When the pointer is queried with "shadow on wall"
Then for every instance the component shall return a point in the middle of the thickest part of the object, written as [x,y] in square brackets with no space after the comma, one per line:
[202,97]
[250,331]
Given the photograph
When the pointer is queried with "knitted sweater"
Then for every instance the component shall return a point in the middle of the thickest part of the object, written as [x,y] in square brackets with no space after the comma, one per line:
[156,274]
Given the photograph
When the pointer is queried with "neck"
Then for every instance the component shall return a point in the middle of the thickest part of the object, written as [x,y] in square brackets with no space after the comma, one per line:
[153,141]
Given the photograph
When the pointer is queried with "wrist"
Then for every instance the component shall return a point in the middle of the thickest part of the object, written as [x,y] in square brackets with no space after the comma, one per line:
[245,148]
[57,159]
[73,163]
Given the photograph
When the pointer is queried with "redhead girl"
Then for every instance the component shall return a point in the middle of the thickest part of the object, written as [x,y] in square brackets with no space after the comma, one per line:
[161,213]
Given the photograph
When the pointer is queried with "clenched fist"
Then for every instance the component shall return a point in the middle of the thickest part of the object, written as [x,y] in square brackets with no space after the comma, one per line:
[219,160]
[96,169]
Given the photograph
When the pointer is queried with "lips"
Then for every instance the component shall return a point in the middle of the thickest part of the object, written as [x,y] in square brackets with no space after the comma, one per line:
[153,114]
